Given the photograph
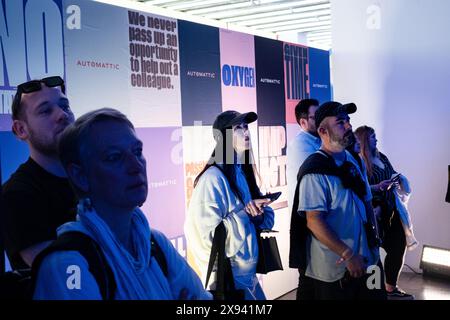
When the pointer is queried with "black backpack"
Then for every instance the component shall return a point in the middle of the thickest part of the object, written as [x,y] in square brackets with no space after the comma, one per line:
[20,284]
[321,163]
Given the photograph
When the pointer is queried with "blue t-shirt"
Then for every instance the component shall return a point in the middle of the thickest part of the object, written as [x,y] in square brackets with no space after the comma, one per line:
[345,214]
[301,147]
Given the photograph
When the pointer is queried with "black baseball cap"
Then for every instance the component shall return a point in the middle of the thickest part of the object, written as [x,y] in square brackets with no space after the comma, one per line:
[229,118]
[332,109]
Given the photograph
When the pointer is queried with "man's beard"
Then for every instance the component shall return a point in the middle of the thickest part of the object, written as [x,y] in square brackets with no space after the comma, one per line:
[343,142]
[351,138]
[48,148]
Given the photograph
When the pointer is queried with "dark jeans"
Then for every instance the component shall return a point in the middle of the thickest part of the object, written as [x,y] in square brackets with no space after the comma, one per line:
[394,243]
[305,290]
[349,288]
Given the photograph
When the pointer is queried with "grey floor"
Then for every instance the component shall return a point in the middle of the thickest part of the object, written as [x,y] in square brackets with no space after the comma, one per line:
[423,288]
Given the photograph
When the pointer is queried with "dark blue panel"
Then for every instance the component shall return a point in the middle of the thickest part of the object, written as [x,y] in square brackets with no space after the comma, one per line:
[13,153]
[319,74]
[201,98]
[270,82]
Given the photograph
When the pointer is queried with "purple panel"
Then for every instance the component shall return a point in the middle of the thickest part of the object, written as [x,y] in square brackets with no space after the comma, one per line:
[165,205]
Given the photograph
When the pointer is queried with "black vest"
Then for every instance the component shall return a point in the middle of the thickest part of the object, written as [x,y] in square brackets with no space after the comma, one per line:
[318,163]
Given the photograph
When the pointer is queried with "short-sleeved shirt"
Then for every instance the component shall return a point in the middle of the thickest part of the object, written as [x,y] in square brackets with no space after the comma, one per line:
[35,203]
[345,213]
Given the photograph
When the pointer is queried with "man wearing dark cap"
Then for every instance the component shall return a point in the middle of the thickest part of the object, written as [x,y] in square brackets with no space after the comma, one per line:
[334,196]
[305,143]
[37,198]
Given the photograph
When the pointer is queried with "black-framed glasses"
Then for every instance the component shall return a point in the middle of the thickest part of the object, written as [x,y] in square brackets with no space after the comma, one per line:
[33,86]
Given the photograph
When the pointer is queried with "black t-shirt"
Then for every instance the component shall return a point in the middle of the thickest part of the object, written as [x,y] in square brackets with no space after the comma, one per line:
[35,204]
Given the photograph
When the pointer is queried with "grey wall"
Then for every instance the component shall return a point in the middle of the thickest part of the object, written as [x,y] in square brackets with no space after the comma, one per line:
[393,61]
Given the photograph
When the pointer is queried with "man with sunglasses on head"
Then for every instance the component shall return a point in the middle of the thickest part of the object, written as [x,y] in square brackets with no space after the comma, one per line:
[37,198]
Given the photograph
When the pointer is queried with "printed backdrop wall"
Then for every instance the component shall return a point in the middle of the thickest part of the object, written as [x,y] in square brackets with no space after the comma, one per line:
[171,78]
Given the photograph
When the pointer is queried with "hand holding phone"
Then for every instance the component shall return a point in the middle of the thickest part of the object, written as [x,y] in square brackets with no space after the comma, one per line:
[256,206]
[272,196]
[394,181]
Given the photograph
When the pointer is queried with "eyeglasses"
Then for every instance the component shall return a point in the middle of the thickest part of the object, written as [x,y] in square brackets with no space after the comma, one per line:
[33,86]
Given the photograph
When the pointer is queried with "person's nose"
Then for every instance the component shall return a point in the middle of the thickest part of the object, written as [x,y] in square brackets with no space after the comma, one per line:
[62,115]
[135,163]
[348,125]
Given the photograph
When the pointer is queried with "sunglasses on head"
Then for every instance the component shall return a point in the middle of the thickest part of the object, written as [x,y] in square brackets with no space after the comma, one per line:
[36,85]
[33,86]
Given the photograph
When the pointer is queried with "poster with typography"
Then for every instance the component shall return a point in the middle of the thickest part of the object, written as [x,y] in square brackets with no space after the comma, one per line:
[237,60]
[96,77]
[319,74]
[271,116]
[163,153]
[136,69]
[296,77]
[28,51]
[269,81]
[154,77]
[201,98]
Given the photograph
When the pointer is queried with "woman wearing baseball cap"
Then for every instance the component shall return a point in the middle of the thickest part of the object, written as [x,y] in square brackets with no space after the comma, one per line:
[226,191]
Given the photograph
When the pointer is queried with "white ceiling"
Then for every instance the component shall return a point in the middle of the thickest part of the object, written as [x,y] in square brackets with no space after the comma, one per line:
[304,21]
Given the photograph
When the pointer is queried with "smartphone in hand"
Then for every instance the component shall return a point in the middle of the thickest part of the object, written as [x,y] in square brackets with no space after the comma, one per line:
[395,178]
[272,196]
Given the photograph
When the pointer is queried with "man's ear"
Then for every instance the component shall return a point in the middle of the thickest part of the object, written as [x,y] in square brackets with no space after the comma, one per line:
[303,123]
[20,129]
[322,130]
[78,177]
